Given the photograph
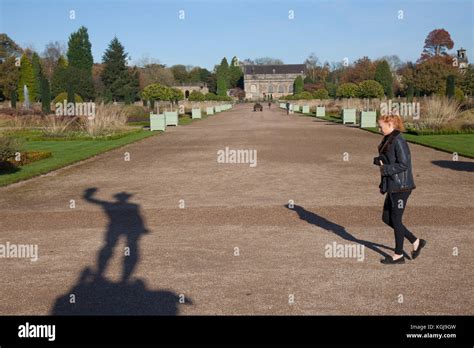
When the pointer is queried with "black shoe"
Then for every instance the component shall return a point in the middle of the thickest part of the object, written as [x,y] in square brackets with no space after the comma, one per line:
[390,261]
[415,253]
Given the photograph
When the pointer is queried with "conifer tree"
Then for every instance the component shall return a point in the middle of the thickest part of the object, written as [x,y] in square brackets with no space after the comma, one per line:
[383,75]
[80,62]
[27,77]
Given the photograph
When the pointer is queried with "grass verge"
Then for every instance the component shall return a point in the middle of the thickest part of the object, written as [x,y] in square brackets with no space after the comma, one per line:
[68,151]
[65,153]
[463,144]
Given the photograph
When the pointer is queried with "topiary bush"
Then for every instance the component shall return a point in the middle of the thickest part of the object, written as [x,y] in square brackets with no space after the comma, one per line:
[210,96]
[347,90]
[303,96]
[321,94]
[61,97]
[370,89]
[196,96]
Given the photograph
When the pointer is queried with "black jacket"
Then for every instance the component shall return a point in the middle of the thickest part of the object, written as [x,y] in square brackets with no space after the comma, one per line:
[396,172]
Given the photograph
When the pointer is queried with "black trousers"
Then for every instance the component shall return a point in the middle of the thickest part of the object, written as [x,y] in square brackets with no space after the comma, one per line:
[393,209]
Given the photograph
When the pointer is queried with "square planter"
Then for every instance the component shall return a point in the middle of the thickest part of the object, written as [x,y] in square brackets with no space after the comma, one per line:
[282,105]
[210,111]
[349,116]
[157,122]
[305,109]
[320,111]
[296,108]
[171,118]
[217,108]
[368,119]
[196,113]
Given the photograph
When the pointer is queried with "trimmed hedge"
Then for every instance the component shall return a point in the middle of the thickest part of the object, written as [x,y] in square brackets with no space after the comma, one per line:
[32,156]
[25,158]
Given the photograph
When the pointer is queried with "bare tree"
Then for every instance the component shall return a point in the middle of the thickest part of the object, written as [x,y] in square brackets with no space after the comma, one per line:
[312,63]
[156,73]
[393,61]
[147,60]
[268,61]
[50,56]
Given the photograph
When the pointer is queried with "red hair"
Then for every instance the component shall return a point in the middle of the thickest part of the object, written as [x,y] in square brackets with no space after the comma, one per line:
[396,120]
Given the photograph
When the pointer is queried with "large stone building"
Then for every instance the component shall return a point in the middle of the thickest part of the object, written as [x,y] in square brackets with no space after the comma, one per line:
[265,81]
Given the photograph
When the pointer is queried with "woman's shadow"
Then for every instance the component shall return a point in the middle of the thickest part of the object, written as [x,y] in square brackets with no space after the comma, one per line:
[339,230]
[93,294]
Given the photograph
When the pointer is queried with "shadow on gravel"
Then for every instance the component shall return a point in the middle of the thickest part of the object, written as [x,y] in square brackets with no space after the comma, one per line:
[99,296]
[93,294]
[338,230]
[456,165]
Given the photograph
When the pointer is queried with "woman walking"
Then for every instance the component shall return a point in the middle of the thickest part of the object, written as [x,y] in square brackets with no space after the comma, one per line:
[397,182]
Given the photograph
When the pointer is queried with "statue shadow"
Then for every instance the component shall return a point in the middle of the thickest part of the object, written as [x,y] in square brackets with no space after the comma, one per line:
[456,165]
[93,294]
[99,296]
[338,230]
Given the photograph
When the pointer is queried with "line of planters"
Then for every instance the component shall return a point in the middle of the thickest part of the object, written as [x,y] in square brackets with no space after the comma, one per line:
[447,137]
[159,122]
[366,119]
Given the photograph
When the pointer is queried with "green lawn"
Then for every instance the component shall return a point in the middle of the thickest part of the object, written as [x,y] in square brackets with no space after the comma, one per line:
[463,144]
[331,118]
[66,152]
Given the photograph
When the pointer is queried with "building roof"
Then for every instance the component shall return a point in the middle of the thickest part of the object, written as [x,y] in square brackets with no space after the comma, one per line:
[275,69]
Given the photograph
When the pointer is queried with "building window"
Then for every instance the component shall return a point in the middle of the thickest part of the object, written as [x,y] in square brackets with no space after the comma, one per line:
[270,88]
[281,89]
[253,88]
[290,89]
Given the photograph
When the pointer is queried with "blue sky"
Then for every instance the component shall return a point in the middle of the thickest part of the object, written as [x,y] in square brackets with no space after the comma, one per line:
[213,29]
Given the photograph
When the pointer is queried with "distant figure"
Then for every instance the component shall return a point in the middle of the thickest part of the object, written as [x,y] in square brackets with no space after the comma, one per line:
[124,219]
[287,108]
[269,105]
[397,182]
